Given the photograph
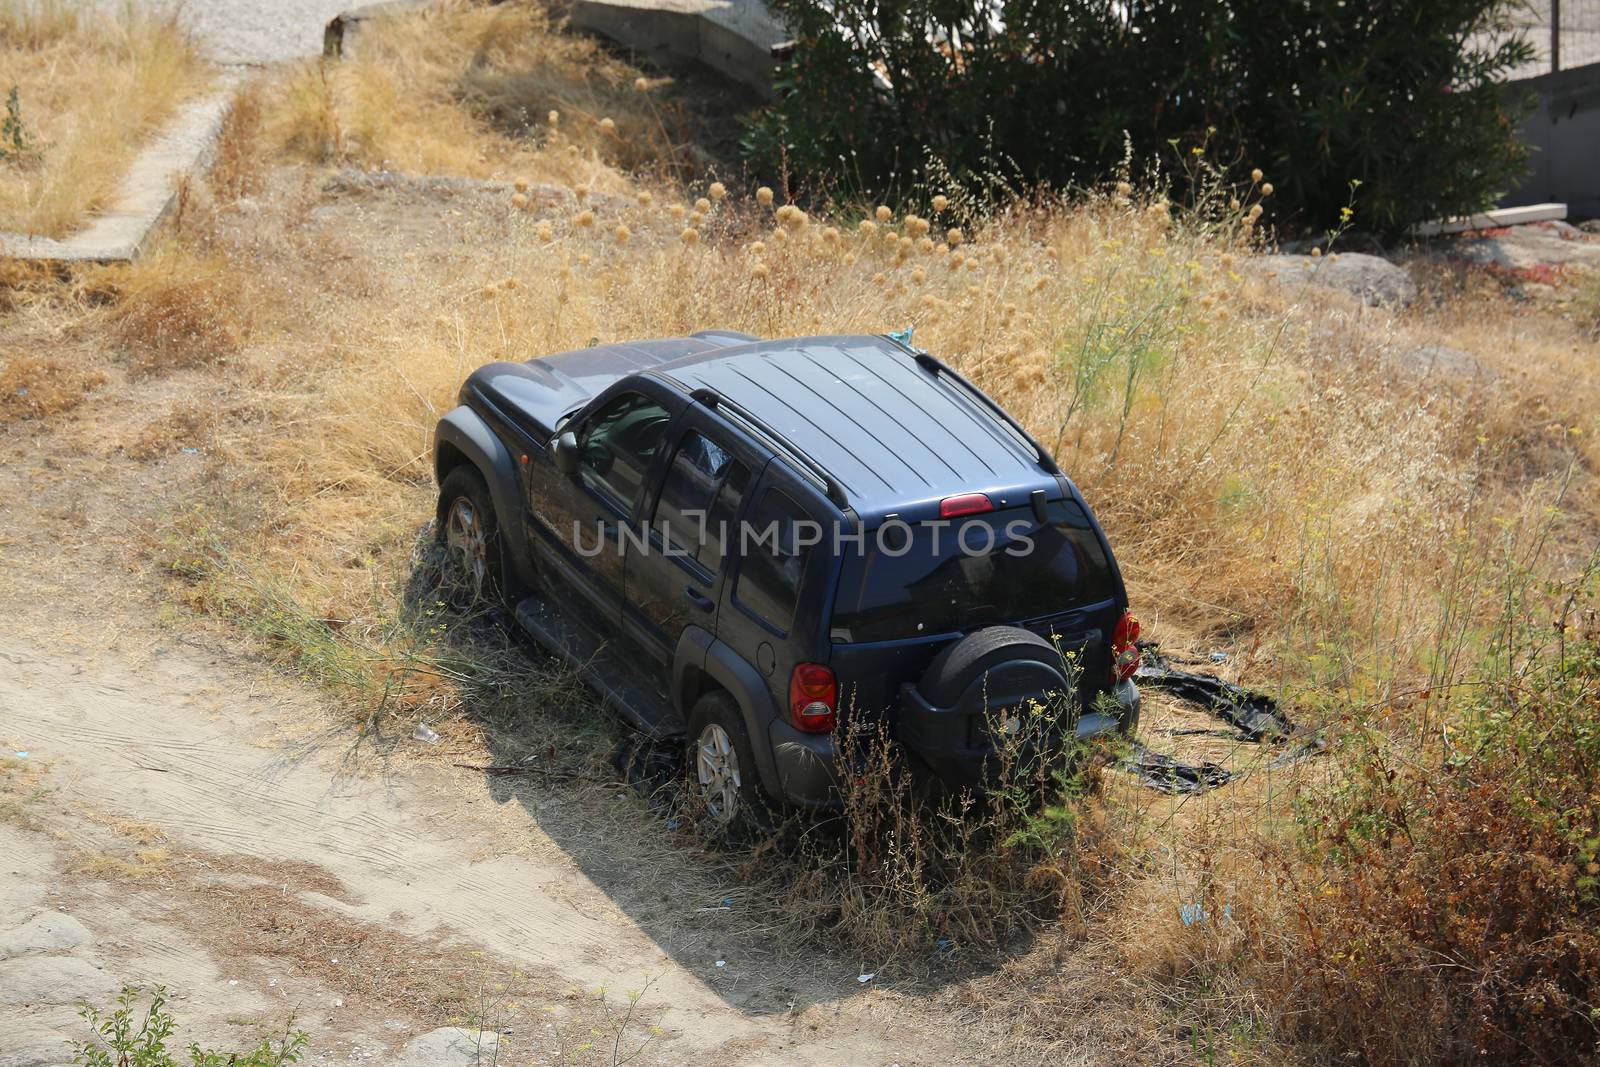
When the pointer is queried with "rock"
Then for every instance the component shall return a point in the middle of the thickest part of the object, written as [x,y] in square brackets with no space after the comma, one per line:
[450,1046]
[34,1046]
[1371,279]
[53,980]
[51,931]
[1441,361]
[1536,246]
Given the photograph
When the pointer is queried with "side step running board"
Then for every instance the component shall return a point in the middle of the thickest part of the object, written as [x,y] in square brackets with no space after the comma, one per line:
[602,669]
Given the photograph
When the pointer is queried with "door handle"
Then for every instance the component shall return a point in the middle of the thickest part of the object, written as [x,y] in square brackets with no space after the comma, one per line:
[699,599]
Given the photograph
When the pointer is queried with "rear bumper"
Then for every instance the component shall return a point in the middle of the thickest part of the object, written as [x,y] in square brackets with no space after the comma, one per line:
[808,765]
[950,741]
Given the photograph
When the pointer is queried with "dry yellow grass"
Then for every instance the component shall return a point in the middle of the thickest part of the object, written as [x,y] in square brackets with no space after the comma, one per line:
[92,81]
[481,92]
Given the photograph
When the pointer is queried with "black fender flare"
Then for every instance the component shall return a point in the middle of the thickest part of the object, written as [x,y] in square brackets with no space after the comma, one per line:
[463,437]
[699,650]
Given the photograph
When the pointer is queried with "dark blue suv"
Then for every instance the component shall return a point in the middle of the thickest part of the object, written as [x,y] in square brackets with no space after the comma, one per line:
[738,540]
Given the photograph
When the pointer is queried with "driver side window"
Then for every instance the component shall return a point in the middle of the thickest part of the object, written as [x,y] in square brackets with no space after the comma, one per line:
[617,445]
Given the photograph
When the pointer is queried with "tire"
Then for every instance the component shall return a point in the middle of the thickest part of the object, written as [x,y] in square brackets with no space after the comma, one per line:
[727,801]
[954,668]
[469,532]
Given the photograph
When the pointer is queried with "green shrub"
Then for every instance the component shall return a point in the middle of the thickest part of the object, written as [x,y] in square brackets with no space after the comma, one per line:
[1404,98]
[125,1039]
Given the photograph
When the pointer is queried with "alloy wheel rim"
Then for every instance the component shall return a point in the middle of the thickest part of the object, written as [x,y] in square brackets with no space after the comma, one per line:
[717,768]
[465,540]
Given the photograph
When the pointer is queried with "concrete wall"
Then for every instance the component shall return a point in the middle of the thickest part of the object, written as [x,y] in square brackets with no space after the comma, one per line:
[731,36]
[1564,133]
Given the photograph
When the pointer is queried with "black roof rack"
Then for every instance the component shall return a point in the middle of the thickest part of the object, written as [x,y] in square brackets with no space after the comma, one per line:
[778,443]
[940,368]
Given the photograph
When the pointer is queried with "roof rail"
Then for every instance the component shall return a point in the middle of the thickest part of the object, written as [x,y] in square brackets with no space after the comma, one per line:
[778,443]
[938,367]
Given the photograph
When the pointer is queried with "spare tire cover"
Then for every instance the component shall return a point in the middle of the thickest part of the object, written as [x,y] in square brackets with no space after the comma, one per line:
[996,667]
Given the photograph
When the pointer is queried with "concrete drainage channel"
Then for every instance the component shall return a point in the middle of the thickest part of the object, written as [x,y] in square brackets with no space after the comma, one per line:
[147,196]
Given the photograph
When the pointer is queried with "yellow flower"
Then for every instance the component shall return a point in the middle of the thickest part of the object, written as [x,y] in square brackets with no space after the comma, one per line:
[764,195]
[953,237]
[883,214]
[1266,189]
[867,226]
[689,236]
[941,202]
[1256,175]
[702,205]
[518,200]
[717,191]
[925,245]
[520,185]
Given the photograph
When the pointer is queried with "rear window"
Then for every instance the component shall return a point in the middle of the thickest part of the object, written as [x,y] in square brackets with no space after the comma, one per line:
[1003,567]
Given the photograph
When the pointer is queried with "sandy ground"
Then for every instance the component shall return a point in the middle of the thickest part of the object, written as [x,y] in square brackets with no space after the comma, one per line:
[260,881]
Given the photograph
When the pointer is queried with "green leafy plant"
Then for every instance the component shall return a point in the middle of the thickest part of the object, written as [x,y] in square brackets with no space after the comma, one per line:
[1408,98]
[128,1038]
[17,143]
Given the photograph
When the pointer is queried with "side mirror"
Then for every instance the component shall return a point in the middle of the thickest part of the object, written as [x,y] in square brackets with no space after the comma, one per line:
[564,451]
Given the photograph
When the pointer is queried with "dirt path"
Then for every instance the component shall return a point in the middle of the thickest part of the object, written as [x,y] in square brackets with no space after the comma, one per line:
[237,873]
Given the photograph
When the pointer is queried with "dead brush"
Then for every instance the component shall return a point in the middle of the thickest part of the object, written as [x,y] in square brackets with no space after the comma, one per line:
[172,311]
[919,875]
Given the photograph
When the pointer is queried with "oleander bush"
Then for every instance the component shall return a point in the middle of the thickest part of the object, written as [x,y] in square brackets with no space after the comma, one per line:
[1405,98]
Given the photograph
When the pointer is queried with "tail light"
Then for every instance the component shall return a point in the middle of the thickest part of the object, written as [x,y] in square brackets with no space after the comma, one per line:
[1124,648]
[953,507]
[813,698]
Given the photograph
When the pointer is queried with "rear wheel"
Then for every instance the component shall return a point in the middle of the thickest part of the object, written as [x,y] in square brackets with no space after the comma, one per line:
[469,532]
[723,783]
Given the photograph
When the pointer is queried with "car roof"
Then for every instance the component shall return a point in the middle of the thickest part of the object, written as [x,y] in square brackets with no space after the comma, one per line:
[892,430]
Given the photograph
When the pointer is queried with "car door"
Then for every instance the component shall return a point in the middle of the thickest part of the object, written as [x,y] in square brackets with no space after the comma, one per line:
[676,581]
[589,516]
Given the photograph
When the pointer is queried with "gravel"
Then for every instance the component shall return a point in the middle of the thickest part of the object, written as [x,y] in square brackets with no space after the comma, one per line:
[256,32]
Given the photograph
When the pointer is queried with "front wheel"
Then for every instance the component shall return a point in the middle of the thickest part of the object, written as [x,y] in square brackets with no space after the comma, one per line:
[469,532]
[722,773]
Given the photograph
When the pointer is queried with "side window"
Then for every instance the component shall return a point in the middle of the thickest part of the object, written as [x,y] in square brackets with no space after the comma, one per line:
[774,558]
[618,445]
[700,498]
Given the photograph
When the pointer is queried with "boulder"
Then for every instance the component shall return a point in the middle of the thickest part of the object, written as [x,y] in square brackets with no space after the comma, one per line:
[53,980]
[450,1046]
[1371,279]
[48,932]
[1441,362]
